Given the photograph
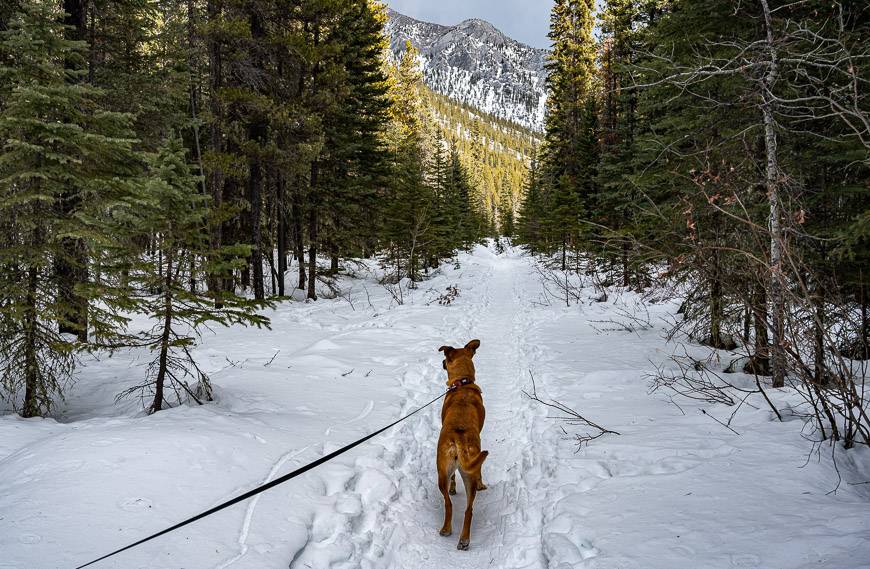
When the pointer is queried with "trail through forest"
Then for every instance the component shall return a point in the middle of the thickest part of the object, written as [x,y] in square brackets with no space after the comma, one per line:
[675,489]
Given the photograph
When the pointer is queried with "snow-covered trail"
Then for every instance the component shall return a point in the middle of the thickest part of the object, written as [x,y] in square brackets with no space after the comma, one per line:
[400,468]
[508,516]
[674,491]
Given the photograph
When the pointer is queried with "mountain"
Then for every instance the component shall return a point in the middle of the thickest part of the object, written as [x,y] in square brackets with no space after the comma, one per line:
[477,65]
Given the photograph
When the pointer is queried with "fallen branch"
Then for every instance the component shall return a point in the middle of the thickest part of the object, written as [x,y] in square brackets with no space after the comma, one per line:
[727,426]
[571,417]
[267,364]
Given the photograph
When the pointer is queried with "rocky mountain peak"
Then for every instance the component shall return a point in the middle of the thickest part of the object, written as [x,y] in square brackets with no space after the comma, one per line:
[476,64]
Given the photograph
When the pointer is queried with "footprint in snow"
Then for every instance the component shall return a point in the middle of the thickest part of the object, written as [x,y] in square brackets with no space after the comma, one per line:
[136,505]
[29,539]
[745,560]
[104,443]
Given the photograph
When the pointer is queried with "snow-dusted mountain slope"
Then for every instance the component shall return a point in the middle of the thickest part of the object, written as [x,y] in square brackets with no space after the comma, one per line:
[476,64]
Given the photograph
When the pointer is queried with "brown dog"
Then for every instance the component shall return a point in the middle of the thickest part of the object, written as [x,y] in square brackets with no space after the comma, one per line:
[459,444]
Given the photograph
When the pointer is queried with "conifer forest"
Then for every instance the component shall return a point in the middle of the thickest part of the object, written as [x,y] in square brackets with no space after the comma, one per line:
[721,148]
[228,224]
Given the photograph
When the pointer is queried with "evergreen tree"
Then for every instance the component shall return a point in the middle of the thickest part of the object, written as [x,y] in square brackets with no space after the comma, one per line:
[354,163]
[412,203]
[175,212]
[493,151]
[616,200]
[532,211]
[446,207]
[506,209]
[569,154]
[55,136]
[467,222]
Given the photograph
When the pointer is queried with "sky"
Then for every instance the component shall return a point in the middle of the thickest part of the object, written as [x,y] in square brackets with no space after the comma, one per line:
[524,20]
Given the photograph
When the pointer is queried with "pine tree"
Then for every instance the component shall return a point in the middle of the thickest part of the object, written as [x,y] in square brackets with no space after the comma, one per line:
[466,222]
[411,209]
[506,208]
[446,208]
[55,136]
[616,200]
[354,163]
[175,212]
[532,211]
[493,151]
[569,155]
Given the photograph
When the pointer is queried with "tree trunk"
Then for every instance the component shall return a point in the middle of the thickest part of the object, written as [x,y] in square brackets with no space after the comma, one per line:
[70,266]
[165,337]
[31,362]
[257,132]
[313,200]
[865,320]
[761,358]
[194,94]
[312,235]
[716,304]
[298,236]
[192,276]
[747,323]
[819,369]
[255,195]
[564,254]
[626,277]
[312,254]
[231,229]
[194,89]
[274,272]
[215,175]
[777,238]
[281,213]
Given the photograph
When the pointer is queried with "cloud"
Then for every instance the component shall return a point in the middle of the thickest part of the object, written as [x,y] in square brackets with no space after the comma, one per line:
[524,20]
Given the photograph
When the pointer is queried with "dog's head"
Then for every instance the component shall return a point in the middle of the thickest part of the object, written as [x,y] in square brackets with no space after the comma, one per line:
[457,361]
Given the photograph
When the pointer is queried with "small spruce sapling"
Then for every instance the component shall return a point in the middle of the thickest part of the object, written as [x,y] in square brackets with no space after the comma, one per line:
[175,213]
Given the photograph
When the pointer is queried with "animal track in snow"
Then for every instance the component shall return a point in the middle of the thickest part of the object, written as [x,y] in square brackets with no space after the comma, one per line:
[136,505]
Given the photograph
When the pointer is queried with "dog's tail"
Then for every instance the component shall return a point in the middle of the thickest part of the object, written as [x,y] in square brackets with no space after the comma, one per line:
[469,463]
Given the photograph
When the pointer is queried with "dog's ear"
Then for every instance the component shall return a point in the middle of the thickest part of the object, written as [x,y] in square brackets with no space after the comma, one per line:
[472,345]
[448,351]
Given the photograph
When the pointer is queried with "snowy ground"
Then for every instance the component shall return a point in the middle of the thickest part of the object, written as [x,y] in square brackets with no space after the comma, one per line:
[675,490]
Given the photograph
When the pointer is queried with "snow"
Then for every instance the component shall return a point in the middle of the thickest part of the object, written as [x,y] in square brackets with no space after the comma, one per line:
[674,490]
[476,64]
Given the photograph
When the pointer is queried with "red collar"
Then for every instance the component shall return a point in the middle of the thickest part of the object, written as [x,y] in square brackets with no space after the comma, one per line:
[459,383]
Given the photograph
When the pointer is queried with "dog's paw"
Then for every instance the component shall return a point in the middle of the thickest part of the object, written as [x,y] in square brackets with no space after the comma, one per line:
[463,545]
[446,532]
[453,491]
[481,486]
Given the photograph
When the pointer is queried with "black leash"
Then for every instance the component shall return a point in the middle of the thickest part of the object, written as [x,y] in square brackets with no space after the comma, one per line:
[264,487]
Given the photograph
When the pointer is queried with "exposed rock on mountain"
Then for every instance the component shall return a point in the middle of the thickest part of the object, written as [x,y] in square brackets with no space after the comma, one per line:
[476,64]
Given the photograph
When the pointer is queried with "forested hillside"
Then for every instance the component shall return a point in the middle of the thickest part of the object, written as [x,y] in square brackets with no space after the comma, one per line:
[721,152]
[496,153]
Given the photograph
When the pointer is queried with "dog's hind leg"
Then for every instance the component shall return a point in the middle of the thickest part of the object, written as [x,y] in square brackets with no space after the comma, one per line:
[471,483]
[443,485]
[453,484]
